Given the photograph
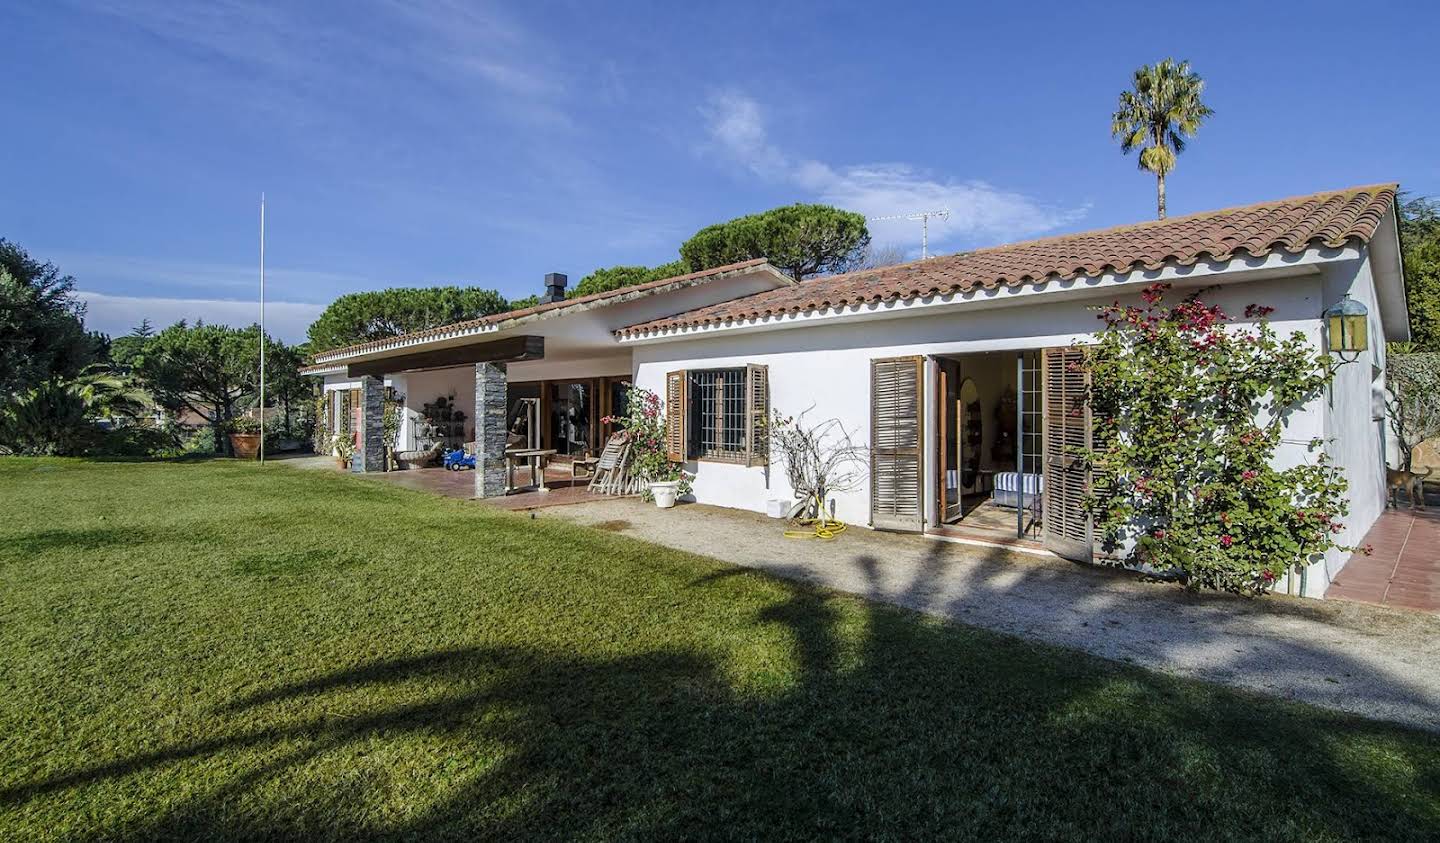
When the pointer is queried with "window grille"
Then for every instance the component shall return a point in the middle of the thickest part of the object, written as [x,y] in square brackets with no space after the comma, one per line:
[718,414]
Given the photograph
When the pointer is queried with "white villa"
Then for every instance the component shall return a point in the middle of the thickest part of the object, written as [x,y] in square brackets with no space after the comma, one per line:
[943,368]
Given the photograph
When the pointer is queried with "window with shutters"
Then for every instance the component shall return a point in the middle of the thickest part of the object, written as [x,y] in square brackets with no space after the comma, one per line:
[723,414]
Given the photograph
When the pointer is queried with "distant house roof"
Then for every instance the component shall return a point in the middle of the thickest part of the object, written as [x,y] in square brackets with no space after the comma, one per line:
[326,360]
[1322,219]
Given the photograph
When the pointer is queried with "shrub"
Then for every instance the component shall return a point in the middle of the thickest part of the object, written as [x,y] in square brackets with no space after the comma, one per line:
[1188,412]
[244,425]
[644,423]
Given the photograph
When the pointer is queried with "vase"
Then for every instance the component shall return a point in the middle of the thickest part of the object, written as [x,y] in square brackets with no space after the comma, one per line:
[665,493]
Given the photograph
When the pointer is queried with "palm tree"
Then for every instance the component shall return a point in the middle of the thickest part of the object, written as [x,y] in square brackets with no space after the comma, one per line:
[1157,117]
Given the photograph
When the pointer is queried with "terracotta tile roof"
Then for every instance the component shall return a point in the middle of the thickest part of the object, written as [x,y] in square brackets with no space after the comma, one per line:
[496,319]
[1328,219]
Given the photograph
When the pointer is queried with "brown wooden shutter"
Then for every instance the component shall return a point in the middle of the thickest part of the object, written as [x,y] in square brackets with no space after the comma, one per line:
[757,414]
[895,437]
[1068,528]
[676,405]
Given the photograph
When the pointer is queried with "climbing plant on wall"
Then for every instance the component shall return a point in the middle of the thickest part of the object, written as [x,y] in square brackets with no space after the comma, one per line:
[1189,412]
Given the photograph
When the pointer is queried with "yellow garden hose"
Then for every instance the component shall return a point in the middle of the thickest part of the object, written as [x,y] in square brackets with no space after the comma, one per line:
[815,528]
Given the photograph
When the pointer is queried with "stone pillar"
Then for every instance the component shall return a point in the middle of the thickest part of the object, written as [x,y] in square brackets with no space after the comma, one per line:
[370,454]
[491,407]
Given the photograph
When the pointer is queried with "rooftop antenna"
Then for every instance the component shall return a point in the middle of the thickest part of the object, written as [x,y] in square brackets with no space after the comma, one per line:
[262,328]
[924,218]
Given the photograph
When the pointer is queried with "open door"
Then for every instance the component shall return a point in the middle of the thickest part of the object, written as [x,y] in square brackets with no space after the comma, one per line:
[1069,531]
[896,496]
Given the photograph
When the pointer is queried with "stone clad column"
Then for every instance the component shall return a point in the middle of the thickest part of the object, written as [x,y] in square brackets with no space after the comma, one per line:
[491,407]
[370,455]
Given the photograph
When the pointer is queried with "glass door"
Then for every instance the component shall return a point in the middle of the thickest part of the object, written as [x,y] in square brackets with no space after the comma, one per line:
[571,416]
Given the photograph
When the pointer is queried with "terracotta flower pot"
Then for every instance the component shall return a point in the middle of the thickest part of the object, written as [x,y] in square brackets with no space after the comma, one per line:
[246,445]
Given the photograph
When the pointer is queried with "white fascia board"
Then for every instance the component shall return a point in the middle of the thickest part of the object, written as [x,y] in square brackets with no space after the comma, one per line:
[328,370]
[1199,274]
[1388,270]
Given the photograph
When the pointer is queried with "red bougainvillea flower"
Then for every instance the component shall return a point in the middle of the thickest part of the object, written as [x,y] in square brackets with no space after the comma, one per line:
[1226,541]
[1249,474]
[1267,576]
[1161,534]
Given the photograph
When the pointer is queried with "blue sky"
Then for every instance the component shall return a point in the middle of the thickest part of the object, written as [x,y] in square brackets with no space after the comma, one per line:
[438,141]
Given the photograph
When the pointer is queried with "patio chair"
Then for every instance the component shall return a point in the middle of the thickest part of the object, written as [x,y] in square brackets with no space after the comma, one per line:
[606,475]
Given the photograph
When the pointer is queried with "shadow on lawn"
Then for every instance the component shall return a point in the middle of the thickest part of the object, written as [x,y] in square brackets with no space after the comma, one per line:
[903,727]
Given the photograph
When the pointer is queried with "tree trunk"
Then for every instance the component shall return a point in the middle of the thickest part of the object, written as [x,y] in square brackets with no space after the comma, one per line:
[222,440]
[1160,194]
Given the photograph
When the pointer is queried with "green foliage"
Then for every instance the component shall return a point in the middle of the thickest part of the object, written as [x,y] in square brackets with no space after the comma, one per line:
[1161,111]
[60,417]
[343,447]
[363,317]
[616,277]
[42,332]
[244,425]
[644,425]
[285,387]
[321,434]
[1414,403]
[799,240]
[1188,413]
[209,370]
[393,415]
[1420,250]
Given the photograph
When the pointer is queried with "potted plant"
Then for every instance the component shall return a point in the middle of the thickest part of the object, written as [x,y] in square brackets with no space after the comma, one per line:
[245,434]
[668,483]
[662,479]
[343,447]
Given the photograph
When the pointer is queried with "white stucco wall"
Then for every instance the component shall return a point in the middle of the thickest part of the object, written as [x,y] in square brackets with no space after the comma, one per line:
[1355,432]
[826,368]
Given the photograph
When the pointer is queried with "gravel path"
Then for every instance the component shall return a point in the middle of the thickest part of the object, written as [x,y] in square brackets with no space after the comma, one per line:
[1377,662]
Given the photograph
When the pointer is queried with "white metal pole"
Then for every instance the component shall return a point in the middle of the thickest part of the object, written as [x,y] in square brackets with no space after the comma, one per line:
[262,328]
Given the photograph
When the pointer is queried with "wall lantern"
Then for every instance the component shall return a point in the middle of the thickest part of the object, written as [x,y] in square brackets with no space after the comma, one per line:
[1347,323]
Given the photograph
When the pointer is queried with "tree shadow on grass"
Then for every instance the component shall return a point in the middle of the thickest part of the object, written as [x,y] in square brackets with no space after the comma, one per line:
[68,540]
[886,724]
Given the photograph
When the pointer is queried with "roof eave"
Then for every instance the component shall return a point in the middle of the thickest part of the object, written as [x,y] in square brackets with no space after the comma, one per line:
[471,329]
[1277,262]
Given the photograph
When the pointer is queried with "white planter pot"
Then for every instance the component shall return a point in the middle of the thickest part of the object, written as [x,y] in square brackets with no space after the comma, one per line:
[665,493]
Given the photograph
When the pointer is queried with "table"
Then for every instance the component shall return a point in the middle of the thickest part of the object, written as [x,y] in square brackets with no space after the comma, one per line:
[536,458]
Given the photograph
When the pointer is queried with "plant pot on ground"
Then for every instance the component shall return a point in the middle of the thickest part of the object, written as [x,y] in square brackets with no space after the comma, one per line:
[343,447]
[665,492]
[245,436]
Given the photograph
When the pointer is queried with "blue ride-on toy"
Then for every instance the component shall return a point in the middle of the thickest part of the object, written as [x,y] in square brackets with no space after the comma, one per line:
[458,460]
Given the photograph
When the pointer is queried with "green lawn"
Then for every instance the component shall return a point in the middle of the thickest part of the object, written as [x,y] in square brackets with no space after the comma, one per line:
[215,650]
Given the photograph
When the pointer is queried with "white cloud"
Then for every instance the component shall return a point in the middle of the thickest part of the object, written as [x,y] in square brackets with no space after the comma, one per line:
[117,315]
[308,283]
[978,210]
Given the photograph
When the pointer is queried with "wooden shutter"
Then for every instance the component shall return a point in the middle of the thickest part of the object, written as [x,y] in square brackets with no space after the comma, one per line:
[1069,531]
[895,436]
[676,405]
[757,414]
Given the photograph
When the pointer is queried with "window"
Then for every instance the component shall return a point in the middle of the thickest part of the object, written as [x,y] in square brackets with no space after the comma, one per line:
[718,414]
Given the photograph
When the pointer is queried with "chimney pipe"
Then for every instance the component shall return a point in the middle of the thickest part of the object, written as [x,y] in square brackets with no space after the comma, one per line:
[554,287]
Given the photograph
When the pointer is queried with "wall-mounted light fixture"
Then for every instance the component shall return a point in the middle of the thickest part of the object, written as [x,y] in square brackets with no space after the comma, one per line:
[1347,323]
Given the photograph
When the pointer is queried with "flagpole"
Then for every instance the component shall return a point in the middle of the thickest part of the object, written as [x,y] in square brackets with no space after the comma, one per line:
[262,328]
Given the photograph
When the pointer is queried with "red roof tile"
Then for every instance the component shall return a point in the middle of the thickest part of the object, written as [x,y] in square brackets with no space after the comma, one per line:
[1292,225]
